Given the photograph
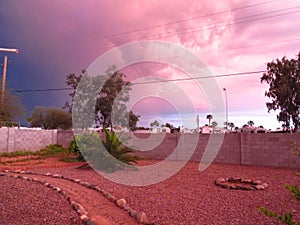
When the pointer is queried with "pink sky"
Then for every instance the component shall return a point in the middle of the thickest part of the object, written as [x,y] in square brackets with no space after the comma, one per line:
[61,37]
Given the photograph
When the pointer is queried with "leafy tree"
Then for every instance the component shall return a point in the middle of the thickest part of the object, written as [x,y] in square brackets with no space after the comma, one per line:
[72,80]
[250,123]
[209,117]
[50,118]
[283,77]
[12,108]
[214,124]
[109,103]
[169,125]
[154,124]
[231,125]
[133,119]
[112,97]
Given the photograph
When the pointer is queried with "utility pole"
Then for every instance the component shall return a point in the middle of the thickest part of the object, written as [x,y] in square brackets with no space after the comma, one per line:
[11,50]
[224,89]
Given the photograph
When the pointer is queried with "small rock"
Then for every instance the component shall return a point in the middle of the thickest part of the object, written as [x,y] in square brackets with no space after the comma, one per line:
[57,189]
[56,176]
[121,202]
[97,189]
[141,217]
[231,179]
[232,186]
[48,174]
[90,222]
[113,198]
[84,218]
[265,185]
[133,213]
[108,196]
[127,208]
[247,181]
[82,212]
[259,187]
[257,182]
[224,185]
[220,180]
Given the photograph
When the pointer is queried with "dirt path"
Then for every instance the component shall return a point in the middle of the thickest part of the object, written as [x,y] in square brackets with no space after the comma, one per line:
[100,210]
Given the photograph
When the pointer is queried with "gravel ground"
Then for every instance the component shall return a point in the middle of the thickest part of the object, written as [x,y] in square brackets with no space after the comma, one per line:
[25,202]
[191,197]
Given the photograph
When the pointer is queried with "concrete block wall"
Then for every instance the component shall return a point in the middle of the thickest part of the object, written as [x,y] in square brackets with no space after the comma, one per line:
[64,137]
[269,150]
[237,148]
[13,139]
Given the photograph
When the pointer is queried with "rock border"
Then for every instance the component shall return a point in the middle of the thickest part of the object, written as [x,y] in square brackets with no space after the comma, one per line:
[121,203]
[237,184]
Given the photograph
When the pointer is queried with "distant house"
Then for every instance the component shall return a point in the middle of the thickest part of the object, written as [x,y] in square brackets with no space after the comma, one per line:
[206,130]
[157,130]
[186,131]
[252,129]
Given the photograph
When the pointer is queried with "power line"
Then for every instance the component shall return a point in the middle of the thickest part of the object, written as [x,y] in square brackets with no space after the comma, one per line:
[202,77]
[43,90]
[184,20]
[240,20]
[169,23]
[152,82]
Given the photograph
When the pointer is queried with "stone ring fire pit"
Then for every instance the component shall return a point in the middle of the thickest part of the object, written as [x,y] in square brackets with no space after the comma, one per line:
[240,184]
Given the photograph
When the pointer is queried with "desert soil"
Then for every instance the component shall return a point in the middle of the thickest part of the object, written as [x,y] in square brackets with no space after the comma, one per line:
[189,197]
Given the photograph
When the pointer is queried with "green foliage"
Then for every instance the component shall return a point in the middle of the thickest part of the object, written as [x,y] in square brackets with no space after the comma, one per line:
[155,123]
[295,149]
[286,218]
[283,77]
[108,103]
[214,124]
[294,190]
[250,123]
[81,143]
[15,154]
[133,119]
[12,109]
[52,149]
[108,154]
[50,118]
[209,117]
[114,145]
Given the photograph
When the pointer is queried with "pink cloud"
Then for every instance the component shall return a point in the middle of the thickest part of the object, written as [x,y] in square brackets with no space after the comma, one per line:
[60,37]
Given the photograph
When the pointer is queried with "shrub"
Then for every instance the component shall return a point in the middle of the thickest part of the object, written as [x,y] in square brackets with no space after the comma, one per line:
[108,154]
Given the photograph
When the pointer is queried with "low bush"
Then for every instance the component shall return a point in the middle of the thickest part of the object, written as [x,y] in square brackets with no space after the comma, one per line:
[108,154]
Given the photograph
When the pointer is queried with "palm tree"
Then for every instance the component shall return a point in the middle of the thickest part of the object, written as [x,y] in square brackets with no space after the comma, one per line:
[209,117]
[231,125]
[250,123]
[214,124]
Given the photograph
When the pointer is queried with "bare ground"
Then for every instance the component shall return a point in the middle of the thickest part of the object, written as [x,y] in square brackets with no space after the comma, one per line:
[189,197]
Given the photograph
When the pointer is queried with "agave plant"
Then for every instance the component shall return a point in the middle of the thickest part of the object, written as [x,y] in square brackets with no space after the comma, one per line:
[114,145]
